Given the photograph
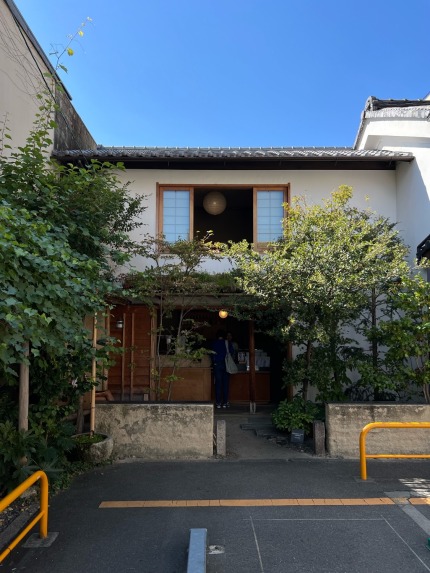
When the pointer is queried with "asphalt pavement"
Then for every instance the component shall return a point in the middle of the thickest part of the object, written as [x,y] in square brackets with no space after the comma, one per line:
[267,508]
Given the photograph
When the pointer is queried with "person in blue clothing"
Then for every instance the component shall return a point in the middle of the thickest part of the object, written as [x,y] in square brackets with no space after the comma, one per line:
[221,376]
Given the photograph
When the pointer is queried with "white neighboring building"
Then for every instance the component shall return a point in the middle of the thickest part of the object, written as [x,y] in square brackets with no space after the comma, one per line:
[404,125]
[23,69]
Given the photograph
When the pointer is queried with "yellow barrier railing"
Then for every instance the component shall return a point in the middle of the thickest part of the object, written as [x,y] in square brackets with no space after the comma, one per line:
[371,426]
[42,516]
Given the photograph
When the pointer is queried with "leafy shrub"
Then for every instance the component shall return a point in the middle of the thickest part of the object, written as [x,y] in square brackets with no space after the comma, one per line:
[297,414]
[24,452]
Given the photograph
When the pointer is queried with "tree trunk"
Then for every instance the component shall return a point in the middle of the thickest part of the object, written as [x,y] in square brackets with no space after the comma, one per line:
[24,392]
[24,397]
[290,387]
[308,365]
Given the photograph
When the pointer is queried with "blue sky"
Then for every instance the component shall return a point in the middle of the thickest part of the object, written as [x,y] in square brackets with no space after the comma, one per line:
[234,72]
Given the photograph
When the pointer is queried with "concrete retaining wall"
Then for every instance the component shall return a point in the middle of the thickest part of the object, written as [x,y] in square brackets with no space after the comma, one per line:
[344,423]
[157,431]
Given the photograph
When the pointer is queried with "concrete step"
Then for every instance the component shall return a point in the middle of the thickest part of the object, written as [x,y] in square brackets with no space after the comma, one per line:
[260,421]
[265,431]
[257,427]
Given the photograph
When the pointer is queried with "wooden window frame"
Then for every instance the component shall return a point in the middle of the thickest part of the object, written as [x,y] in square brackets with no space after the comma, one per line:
[162,187]
[256,188]
[160,206]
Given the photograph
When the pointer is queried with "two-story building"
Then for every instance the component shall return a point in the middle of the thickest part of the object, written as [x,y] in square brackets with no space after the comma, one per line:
[238,193]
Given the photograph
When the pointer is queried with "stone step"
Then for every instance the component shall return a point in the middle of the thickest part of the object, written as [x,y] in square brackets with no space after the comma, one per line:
[257,427]
[264,432]
[261,420]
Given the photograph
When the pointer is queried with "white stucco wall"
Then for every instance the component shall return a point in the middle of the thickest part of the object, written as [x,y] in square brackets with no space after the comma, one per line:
[413,199]
[412,179]
[375,190]
[20,78]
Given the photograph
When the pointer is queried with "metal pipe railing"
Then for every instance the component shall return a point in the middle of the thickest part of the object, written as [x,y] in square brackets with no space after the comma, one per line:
[41,517]
[371,426]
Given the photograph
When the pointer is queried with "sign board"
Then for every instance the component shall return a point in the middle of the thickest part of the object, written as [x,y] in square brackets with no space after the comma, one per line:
[297,436]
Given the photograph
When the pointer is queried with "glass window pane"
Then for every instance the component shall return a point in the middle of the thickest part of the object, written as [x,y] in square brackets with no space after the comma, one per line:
[176,215]
[270,213]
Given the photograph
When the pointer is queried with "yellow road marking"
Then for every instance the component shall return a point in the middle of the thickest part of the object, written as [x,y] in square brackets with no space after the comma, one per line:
[254,502]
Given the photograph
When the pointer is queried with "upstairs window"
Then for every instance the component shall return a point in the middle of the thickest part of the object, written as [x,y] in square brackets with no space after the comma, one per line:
[253,213]
[176,214]
[270,212]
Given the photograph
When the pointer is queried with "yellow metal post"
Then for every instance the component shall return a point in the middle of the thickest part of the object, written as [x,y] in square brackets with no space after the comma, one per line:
[371,426]
[363,468]
[43,528]
[41,517]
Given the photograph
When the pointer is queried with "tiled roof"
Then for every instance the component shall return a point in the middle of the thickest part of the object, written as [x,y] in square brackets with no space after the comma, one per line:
[240,158]
[375,104]
[417,108]
[393,108]
[252,153]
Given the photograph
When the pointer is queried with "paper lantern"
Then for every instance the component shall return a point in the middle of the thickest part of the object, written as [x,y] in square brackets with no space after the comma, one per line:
[214,203]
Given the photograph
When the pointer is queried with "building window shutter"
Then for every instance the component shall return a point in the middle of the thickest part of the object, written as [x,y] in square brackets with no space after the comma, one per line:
[176,215]
[270,212]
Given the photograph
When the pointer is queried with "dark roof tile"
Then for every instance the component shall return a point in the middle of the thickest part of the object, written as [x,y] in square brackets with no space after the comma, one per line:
[216,153]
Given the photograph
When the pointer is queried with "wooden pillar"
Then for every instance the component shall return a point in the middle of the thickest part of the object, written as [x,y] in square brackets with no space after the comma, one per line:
[153,363]
[132,356]
[123,357]
[252,380]
[93,379]
[290,387]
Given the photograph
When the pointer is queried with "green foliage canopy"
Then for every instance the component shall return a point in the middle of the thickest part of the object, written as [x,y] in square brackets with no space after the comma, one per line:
[46,288]
[318,278]
[62,230]
[173,282]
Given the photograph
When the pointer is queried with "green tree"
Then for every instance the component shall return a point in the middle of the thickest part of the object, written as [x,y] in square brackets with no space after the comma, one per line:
[94,209]
[405,337]
[46,288]
[172,285]
[63,228]
[317,279]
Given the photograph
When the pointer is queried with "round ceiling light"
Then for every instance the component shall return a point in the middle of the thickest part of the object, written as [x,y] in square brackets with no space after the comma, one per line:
[223,314]
[214,203]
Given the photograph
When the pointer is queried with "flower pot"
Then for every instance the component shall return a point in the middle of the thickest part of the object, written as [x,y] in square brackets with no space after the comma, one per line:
[94,449]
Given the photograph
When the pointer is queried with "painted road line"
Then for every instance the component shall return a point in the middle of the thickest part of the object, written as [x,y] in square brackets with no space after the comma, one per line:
[173,503]
[418,517]
[419,500]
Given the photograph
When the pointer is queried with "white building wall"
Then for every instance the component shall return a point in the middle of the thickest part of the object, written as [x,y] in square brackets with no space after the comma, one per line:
[21,78]
[413,199]
[412,179]
[375,190]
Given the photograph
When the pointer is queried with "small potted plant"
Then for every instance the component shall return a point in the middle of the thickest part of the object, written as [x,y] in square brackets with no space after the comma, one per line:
[92,447]
[295,417]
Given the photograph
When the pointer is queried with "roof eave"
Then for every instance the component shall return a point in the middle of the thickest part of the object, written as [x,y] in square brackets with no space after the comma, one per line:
[266,163]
